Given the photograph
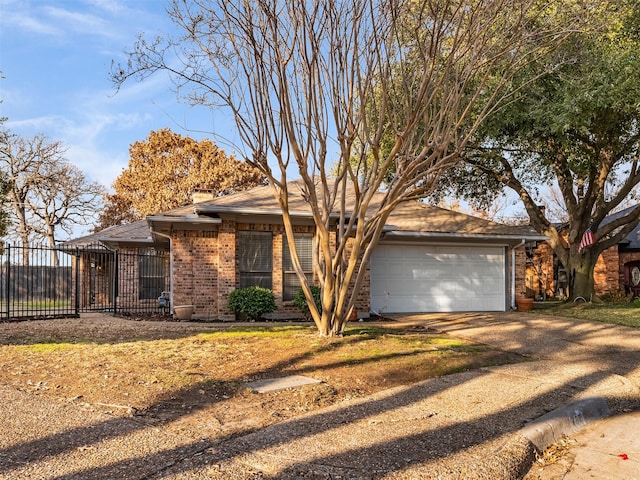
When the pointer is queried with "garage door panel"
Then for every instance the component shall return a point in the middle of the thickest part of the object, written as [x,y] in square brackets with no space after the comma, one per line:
[419,278]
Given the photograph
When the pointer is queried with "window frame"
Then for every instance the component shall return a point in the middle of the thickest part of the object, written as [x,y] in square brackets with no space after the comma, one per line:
[262,264]
[306,260]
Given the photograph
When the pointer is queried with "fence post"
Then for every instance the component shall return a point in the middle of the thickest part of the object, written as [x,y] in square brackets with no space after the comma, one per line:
[114,290]
[8,279]
[77,281]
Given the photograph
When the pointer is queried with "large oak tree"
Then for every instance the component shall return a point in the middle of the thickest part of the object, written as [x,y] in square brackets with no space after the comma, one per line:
[165,169]
[576,130]
[300,79]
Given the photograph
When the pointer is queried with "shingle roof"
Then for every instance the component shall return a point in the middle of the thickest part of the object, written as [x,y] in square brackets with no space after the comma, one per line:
[420,217]
[632,240]
[132,232]
[408,217]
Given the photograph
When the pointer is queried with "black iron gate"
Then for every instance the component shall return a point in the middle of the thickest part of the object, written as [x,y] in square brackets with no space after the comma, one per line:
[43,282]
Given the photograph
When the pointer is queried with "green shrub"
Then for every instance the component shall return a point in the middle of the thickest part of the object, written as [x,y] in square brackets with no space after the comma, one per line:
[300,301]
[252,301]
[636,302]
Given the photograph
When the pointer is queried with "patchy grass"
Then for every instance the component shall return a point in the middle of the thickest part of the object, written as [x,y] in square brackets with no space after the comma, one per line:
[626,314]
[168,371]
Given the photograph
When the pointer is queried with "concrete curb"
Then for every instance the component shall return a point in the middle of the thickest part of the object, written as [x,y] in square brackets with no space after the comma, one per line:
[565,420]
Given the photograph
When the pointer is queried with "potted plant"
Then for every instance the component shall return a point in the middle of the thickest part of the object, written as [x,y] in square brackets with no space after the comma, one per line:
[252,302]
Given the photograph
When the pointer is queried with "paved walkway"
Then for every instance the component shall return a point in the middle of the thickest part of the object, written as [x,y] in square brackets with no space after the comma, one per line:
[468,425]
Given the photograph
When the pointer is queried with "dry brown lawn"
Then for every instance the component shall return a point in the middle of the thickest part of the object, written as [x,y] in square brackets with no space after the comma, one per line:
[189,377]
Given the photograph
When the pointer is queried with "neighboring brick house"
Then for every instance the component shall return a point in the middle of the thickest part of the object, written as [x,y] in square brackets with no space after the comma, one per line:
[428,259]
[617,269]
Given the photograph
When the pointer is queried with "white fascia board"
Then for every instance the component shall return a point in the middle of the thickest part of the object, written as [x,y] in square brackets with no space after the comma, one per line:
[509,238]
[183,219]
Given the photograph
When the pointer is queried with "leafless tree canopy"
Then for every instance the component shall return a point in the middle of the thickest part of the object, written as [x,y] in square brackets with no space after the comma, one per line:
[315,88]
[47,193]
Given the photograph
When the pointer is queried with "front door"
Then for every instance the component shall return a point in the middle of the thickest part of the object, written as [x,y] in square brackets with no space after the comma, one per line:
[632,277]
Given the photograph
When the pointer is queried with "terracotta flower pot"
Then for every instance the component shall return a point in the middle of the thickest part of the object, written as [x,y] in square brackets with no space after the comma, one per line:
[183,312]
[524,304]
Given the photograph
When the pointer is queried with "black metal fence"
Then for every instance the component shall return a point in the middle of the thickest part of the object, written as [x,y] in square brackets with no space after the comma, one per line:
[43,282]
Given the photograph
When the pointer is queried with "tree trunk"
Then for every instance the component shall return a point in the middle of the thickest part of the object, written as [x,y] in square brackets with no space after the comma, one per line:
[51,241]
[581,276]
[23,231]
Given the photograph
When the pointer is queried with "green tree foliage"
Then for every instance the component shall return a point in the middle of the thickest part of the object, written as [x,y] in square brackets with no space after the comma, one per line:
[574,127]
[254,302]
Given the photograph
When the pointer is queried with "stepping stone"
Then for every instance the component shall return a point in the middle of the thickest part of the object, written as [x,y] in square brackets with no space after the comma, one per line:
[275,384]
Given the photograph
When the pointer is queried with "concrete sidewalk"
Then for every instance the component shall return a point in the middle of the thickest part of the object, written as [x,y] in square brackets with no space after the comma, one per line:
[481,424]
[606,449]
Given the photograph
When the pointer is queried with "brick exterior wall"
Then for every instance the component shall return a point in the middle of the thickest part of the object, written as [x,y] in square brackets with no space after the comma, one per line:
[206,269]
[226,270]
[539,273]
[520,273]
[608,273]
[195,271]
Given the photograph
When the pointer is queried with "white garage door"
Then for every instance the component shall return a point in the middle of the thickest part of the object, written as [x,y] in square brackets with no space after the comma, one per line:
[418,278]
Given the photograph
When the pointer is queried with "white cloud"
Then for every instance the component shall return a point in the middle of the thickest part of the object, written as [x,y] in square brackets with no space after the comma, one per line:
[98,164]
[112,7]
[81,22]
[34,25]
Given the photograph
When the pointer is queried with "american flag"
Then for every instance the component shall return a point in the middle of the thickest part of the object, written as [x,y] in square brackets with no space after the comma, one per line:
[588,239]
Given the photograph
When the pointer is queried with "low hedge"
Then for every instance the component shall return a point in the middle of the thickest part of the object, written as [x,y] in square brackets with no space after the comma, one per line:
[254,302]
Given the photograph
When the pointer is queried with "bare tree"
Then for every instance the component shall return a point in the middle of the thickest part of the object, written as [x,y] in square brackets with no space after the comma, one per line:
[5,188]
[23,159]
[302,80]
[47,192]
[64,200]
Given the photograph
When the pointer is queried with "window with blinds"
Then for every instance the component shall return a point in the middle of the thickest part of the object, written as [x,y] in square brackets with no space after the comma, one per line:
[290,281]
[152,278]
[256,259]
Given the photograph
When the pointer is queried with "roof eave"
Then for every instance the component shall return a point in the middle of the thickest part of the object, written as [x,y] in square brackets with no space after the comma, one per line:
[484,237]
[183,219]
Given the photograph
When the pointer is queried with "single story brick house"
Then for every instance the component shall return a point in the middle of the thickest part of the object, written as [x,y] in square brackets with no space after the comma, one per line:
[428,260]
[617,269]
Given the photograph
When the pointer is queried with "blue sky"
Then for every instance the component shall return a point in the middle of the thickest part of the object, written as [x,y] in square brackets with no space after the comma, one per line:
[56,55]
